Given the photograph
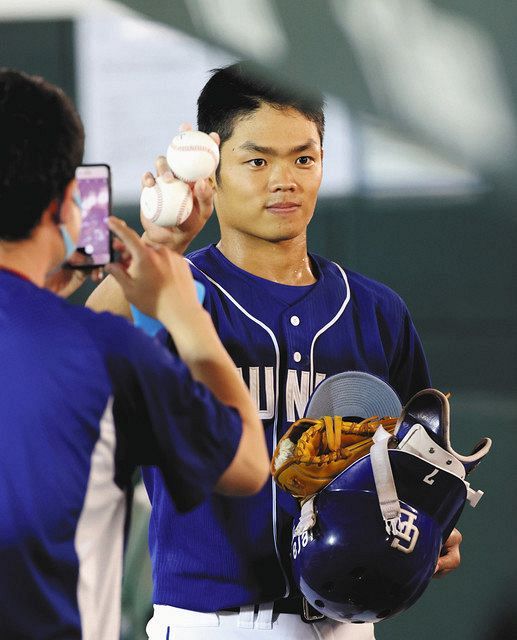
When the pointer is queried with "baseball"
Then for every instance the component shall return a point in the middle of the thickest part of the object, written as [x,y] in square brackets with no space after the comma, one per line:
[193,155]
[167,204]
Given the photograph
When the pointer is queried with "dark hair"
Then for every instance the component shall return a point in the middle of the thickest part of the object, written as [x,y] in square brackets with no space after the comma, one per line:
[235,91]
[41,144]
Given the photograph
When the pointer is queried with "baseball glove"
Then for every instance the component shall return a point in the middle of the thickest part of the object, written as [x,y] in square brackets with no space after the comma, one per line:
[313,452]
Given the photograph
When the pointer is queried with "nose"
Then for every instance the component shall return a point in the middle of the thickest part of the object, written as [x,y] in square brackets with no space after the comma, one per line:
[282,178]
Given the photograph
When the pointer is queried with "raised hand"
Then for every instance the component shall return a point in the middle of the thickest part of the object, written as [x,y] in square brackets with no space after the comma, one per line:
[153,278]
[178,238]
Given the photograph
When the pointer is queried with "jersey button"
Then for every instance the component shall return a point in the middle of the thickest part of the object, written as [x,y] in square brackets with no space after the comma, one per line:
[295,321]
[297,356]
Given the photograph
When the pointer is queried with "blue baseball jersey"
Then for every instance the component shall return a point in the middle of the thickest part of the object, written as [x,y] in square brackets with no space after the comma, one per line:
[84,399]
[230,552]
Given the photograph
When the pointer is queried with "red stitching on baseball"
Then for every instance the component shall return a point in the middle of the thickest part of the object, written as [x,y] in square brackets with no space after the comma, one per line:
[196,147]
[159,203]
[182,208]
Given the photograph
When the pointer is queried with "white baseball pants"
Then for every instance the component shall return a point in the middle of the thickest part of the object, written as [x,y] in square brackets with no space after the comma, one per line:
[171,623]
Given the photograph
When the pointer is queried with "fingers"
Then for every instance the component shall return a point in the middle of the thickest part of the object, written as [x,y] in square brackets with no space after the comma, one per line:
[203,192]
[96,275]
[147,179]
[123,256]
[118,245]
[451,556]
[129,237]
[454,540]
[163,169]
[186,126]
[204,195]
[120,275]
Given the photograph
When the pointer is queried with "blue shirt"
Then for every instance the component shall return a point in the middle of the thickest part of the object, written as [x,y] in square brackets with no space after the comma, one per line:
[230,552]
[84,399]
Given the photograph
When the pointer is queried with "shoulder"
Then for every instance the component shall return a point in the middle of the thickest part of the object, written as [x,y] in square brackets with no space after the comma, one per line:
[363,287]
[220,277]
[99,325]
[137,365]
[57,316]
[381,293]
[366,294]
[204,264]
[199,254]
[202,258]
[114,336]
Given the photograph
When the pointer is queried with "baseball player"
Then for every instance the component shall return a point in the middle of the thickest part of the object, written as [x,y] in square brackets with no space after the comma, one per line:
[85,398]
[288,319]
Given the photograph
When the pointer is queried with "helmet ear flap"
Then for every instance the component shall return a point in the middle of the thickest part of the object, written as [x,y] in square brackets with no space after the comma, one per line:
[430,408]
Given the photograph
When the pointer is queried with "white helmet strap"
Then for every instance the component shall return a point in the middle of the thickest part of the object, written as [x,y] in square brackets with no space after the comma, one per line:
[384,482]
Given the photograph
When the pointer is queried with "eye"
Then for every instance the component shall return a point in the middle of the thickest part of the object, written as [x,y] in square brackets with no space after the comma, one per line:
[257,162]
[305,161]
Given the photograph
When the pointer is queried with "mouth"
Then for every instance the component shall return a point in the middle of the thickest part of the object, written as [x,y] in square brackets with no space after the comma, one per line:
[283,207]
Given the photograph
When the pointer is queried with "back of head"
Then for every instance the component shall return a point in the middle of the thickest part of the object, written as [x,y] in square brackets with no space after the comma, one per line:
[42,144]
[235,91]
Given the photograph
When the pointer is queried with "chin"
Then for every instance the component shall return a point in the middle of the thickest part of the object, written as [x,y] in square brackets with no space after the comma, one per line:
[284,237]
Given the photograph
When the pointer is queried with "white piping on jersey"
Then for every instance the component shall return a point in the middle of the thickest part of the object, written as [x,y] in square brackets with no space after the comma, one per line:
[329,324]
[277,400]
[99,540]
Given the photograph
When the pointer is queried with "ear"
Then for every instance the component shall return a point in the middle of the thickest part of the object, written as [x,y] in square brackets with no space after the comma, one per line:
[51,213]
[67,202]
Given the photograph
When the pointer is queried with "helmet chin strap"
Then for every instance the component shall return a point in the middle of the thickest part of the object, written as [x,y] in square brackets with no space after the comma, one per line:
[384,482]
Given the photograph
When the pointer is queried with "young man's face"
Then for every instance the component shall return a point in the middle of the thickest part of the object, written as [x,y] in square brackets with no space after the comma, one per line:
[270,175]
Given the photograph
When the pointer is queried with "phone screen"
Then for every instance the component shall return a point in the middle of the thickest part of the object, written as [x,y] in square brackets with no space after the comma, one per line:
[94,245]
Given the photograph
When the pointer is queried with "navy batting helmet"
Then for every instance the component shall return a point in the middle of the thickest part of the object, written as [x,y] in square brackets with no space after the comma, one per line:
[366,546]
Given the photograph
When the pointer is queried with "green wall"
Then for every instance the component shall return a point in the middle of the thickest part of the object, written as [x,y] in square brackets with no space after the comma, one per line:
[40,47]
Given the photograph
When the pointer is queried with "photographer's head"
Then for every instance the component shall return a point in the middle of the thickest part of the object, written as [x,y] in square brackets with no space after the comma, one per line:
[42,142]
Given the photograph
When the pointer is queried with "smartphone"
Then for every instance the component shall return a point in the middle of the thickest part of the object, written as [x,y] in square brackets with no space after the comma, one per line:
[94,248]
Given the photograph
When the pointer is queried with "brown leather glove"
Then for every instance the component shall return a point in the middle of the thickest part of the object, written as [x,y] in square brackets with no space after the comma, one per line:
[313,452]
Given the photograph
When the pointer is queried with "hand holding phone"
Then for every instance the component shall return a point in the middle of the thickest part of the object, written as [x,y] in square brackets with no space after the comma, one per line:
[94,247]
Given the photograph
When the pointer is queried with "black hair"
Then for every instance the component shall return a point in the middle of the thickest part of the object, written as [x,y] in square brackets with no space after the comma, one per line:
[235,91]
[41,144]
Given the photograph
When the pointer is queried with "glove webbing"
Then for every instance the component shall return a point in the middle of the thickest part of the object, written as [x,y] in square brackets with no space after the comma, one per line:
[342,439]
[314,451]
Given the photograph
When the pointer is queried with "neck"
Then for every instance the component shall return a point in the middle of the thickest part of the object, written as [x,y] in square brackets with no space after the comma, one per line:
[284,261]
[32,258]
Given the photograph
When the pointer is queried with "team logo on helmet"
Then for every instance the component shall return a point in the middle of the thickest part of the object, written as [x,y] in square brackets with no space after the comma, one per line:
[407,532]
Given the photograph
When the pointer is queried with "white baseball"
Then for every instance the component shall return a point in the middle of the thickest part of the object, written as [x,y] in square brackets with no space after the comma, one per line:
[193,155]
[167,204]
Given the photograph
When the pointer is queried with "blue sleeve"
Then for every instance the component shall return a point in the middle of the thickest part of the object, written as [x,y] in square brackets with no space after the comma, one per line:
[165,418]
[151,326]
[409,372]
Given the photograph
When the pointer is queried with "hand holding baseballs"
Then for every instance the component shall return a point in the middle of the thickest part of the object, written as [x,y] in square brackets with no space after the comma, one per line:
[174,211]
